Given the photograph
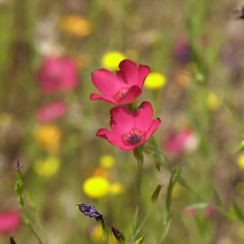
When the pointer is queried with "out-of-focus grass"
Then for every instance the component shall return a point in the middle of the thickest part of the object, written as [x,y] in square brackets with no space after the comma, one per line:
[146,32]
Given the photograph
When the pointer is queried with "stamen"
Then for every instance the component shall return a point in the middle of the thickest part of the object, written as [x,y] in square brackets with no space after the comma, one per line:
[121,94]
[134,137]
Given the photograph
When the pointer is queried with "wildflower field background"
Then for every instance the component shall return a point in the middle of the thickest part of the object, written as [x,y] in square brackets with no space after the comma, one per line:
[185,184]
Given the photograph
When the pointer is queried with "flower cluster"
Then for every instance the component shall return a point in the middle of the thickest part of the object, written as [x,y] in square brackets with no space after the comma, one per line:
[56,75]
[128,130]
[99,184]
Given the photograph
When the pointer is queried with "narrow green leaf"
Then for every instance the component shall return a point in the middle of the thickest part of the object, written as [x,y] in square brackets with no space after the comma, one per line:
[238,212]
[140,240]
[156,192]
[200,205]
[166,229]
[217,199]
[240,147]
[135,221]
[105,232]
[173,180]
[28,209]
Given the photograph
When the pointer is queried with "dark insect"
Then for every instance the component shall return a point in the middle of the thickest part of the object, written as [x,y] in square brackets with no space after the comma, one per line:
[12,241]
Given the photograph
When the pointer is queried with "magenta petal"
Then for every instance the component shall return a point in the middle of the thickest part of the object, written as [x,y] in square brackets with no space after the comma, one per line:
[105,81]
[128,148]
[143,72]
[121,120]
[69,79]
[112,137]
[52,111]
[143,116]
[129,72]
[133,93]
[95,96]
[154,126]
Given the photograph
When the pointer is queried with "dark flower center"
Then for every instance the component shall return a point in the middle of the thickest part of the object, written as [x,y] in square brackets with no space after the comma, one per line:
[121,94]
[134,137]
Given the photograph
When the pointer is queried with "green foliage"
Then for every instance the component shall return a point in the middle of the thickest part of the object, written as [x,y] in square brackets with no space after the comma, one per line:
[151,187]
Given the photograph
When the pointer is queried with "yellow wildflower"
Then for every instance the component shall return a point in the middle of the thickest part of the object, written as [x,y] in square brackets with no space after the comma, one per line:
[111,60]
[155,81]
[116,188]
[48,167]
[213,101]
[240,161]
[96,187]
[107,161]
[48,137]
[76,25]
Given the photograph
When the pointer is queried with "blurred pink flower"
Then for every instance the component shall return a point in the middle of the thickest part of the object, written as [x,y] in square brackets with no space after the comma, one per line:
[178,142]
[9,221]
[52,111]
[58,74]
[211,211]
[190,212]
[122,88]
[182,51]
[129,131]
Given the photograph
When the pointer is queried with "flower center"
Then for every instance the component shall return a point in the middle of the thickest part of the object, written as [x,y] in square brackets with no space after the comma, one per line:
[134,137]
[121,94]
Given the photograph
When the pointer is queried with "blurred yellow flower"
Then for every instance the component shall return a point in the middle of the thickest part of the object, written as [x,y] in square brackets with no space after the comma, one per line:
[111,60]
[107,161]
[116,188]
[155,81]
[76,25]
[240,232]
[5,119]
[213,101]
[48,167]
[240,161]
[96,235]
[176,191]
[96,187]
[48,137]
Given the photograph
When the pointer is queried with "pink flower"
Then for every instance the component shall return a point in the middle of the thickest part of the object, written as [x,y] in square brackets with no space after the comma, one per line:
[211,211]
[122,88]
[52,111]
[180,141]
[190,212]
[57,74]
[9,221]
[129,131]
[182,51]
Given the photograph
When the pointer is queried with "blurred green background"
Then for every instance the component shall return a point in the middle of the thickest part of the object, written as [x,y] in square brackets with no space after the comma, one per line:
[197,47]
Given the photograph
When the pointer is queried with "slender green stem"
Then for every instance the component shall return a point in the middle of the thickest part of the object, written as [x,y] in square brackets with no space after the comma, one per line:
[138,154]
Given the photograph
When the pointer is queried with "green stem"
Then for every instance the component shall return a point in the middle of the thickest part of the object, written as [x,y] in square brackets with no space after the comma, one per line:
[138,154]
